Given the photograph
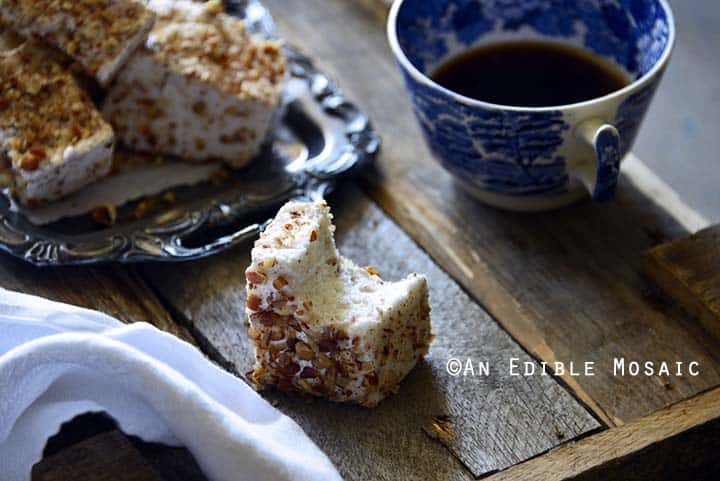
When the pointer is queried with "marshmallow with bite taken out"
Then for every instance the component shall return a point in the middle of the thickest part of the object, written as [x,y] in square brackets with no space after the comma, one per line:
[322,325]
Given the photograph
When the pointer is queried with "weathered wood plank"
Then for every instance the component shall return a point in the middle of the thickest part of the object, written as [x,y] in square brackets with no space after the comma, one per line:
[496,420]
[379,8]
[172,464]
[689,271]
[678,442]
[656,189]
[61,454]
[117,291]
[105,457]
[567,285]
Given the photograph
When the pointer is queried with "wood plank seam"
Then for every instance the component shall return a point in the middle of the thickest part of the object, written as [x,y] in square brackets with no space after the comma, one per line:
[567,382]
[688,270]
[206,346]
[199,340]
[493,474]
[539,351]
[140,285]
[496,421]
[604,270]
[619,444]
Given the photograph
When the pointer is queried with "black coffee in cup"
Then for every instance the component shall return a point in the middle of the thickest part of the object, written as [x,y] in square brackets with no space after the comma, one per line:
[530,74]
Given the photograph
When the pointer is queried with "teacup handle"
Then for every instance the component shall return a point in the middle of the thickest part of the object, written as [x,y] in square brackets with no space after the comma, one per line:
[601,177]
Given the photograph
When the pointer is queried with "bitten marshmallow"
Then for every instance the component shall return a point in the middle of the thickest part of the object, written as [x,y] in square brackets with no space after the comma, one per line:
[322,325]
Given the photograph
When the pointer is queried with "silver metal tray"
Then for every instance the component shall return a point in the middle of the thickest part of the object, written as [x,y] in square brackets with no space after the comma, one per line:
[320,139]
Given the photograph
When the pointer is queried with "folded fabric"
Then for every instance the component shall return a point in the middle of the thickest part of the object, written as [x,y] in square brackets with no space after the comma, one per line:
[58,361]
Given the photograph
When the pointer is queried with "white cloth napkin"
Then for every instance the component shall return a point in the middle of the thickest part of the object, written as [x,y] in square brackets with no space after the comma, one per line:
[58,361]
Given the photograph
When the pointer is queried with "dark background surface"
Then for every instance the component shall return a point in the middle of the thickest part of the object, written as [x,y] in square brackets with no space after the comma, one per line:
[680,139]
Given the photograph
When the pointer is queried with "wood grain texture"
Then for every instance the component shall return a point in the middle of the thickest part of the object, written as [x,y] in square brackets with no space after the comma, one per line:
[678,442]
[105,457]
[117,291]
[170,463]
[379,8]
[689,271]
[661,194]
[495,421]
[567,285]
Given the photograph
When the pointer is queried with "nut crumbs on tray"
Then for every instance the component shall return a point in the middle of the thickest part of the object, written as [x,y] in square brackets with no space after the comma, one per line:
[105,215]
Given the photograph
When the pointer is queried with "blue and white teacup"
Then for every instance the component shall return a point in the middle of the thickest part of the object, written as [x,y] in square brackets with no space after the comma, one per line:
[532,159]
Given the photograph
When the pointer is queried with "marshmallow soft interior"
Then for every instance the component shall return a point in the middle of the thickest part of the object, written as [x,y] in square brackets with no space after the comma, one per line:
[321,324]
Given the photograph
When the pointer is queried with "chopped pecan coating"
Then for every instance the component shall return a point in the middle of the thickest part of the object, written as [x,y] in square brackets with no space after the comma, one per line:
[99,34]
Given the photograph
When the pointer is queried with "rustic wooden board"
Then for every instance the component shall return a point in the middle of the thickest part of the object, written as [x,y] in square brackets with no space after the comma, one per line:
[678,442]
[92,444]
[689,271]
[105,457]
[117,291]
[170,463]
[567,285]
[495,421]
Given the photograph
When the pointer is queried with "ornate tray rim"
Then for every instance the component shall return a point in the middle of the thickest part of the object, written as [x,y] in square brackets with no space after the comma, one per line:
[163,242]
